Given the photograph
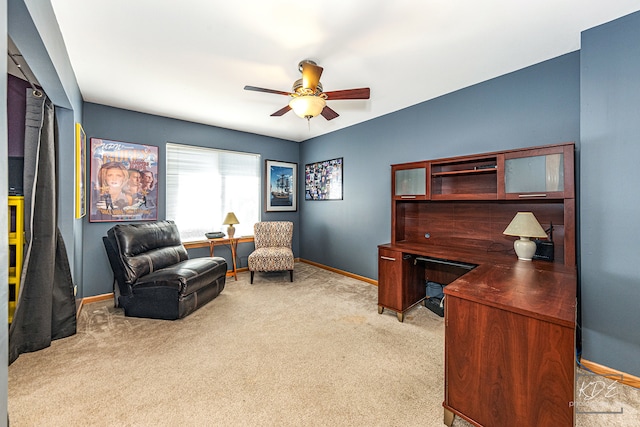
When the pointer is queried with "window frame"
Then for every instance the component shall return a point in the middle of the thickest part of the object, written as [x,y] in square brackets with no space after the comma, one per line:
[226,197]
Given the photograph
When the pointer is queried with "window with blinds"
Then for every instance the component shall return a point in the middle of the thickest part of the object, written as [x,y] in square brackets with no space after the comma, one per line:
[204,184]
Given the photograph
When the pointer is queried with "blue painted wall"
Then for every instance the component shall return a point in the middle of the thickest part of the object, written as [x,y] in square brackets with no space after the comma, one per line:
[123,125]
[534,106]
[610,198]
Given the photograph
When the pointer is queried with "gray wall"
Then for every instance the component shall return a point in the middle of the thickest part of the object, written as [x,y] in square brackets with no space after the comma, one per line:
[123,125]
[610,194]
[534,106]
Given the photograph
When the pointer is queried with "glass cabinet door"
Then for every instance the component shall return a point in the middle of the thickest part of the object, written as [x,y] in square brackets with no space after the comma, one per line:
[541,174]
[411,182]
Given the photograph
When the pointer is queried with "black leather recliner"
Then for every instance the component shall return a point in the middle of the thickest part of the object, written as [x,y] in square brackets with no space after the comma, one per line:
[153,275]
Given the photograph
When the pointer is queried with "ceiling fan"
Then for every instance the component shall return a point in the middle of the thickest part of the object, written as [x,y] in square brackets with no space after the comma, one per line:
[307,98]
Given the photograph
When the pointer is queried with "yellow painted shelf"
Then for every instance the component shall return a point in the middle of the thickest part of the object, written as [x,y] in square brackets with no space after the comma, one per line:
[16,248]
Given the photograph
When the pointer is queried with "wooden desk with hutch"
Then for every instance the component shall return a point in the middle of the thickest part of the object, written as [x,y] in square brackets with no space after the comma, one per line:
[509,324]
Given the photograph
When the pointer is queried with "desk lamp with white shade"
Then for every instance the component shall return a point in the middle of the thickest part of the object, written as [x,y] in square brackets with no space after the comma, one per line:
[525,225]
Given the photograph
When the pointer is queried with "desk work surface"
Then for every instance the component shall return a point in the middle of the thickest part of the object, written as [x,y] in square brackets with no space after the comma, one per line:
[539,289]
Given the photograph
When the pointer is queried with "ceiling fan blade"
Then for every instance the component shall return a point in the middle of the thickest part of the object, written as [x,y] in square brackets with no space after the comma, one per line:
[360,93]
[281,111]
[261,89]
[328,113]
[310,75]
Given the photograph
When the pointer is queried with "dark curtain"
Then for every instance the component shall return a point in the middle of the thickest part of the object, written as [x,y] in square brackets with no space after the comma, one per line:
[46,307]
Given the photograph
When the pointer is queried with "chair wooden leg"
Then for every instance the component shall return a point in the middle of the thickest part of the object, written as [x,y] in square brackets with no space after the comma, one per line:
[291,274]
[252,277]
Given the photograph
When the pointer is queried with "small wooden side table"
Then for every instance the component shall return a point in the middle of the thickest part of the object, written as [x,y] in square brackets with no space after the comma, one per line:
[233,245]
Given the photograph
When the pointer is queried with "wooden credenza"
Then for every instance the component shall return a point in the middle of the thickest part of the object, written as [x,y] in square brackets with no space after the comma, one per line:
[509,324]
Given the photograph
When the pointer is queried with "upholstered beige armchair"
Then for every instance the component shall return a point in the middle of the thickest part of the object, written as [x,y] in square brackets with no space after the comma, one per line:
[273,247]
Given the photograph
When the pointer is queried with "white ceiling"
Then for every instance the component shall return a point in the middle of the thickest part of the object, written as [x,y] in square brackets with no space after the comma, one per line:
[190,59]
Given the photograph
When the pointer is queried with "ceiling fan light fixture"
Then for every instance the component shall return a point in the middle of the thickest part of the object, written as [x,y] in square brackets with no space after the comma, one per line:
[307,106]
[308,98]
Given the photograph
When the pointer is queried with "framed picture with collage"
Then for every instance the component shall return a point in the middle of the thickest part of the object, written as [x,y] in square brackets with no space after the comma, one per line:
[323,180]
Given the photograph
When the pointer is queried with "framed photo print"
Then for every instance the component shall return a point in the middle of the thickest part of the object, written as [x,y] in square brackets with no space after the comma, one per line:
[323,180]
[124,181]
[81,171]
[281,186]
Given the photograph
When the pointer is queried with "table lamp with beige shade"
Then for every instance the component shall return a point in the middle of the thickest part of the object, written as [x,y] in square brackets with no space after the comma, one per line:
[525,225]
[229,220]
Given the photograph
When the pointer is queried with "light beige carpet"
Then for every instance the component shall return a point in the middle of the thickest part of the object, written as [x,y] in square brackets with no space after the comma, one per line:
[314,352]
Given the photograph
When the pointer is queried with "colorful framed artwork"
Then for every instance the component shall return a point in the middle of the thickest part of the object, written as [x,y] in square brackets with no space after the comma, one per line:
[323,180]
[81,171]
[281,186]
[124,181]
